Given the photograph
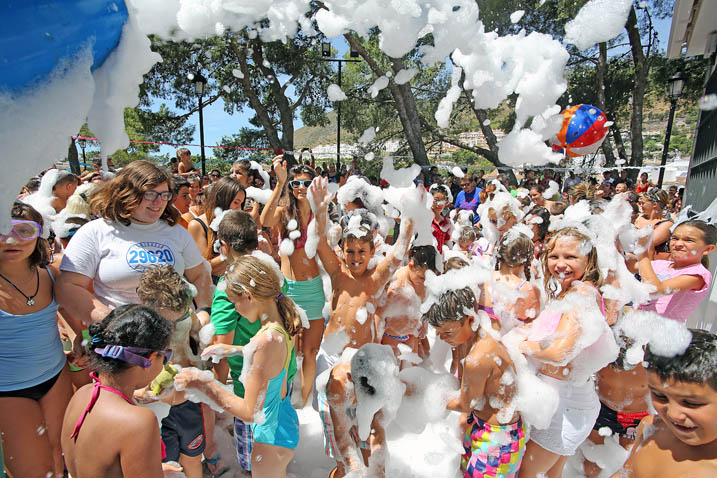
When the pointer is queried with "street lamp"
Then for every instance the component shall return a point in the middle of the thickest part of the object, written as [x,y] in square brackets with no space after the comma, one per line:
[199,83]
[326,56]
[674,90]
[83,143]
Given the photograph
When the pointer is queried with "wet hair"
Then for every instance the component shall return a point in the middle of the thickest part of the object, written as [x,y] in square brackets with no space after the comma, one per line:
[467,233]
[455,263]
[41,255]
[239,231]
[694,365]
[450,307]
[542,213]
[598,205]
[367,227]
[160,286]
[129,325]
[178,183]
[514,250]
[423,256]
[250,274]
[118,198]
[592,272]
[194,178]
[219,195]
[709,234]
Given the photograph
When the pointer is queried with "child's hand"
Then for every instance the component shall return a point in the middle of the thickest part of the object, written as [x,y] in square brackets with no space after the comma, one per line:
[319,191]
[219,351]
[188,377]
[279,167]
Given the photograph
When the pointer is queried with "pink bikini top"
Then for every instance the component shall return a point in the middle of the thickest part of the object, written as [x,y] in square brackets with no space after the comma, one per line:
[547,322]
[93,400]
[300,242]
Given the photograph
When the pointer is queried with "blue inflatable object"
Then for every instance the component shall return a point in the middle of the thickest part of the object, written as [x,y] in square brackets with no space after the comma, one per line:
[36,35]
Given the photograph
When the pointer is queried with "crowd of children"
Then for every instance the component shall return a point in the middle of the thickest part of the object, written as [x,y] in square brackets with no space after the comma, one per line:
[267,292]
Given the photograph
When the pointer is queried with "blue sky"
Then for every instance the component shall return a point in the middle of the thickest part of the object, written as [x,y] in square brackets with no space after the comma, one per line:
[218,123]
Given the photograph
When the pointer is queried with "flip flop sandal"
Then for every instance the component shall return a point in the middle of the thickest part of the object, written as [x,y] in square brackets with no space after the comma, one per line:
[214,462]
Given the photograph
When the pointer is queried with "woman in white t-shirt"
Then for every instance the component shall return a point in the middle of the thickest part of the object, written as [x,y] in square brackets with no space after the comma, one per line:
[135,230]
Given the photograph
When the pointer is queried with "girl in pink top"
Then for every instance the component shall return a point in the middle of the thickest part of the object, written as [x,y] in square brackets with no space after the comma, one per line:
[683,281]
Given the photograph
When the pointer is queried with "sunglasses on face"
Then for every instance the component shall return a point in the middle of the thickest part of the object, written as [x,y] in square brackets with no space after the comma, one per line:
[295,183]
[153,195]
[131,354]
[216,175]
[23,230]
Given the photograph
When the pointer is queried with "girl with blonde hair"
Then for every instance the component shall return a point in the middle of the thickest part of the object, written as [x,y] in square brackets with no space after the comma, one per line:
[255,289]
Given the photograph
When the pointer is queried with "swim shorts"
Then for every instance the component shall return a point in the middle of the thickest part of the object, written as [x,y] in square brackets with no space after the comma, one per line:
[183,431]
[494,451]
[623,424]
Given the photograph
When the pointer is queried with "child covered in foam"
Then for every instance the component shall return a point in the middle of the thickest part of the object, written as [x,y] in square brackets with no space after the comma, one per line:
[682,439]
[570,340]
[355,287]
[494,439]
[400,314]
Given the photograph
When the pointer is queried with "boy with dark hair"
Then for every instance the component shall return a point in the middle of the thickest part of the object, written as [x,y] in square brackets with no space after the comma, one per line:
[64,188]
[400,312]
[681,440]
[494,442]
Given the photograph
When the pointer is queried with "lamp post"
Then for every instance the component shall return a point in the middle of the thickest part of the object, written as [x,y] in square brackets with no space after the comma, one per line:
[326,56]
[674,90]
[83,143]
[199,82]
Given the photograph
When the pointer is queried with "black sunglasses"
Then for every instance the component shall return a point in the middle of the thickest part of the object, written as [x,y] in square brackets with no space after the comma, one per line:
[295,183]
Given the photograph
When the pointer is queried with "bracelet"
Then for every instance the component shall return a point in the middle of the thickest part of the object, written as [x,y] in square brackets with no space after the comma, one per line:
[208,310]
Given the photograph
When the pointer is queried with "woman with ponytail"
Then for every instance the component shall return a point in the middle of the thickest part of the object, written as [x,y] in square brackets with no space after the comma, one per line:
[254,287]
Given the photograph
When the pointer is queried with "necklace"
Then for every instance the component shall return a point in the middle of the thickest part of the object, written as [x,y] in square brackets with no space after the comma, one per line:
[30,299]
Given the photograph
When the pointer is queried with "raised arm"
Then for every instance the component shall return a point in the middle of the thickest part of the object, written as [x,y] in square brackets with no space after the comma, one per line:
[271,215]
[647,273]
[320,193]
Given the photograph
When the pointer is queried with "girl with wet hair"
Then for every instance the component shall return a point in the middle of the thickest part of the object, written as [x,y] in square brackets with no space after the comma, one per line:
[302,281]
[126,350]
[254,287]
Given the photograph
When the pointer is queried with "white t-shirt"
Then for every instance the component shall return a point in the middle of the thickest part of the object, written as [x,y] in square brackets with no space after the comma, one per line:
[115,255]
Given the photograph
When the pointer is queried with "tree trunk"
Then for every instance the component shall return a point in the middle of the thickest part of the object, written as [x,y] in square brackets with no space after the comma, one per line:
[617,137]
[261,113]
[73,158]
[286,112]
[600,71]
[638,91]
[404,101]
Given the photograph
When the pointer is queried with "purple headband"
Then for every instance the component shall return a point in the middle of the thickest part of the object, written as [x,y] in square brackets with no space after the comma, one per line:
[129,354]
[279,297]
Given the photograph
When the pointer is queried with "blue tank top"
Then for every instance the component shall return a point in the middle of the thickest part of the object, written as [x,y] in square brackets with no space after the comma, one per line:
[281,427]
[31,351]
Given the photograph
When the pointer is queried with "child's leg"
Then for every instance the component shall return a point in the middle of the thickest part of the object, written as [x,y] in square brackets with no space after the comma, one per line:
[210,449]
[191,465]
[538,461]
[311,339]
[26,452]
[53,406]
[269,461]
